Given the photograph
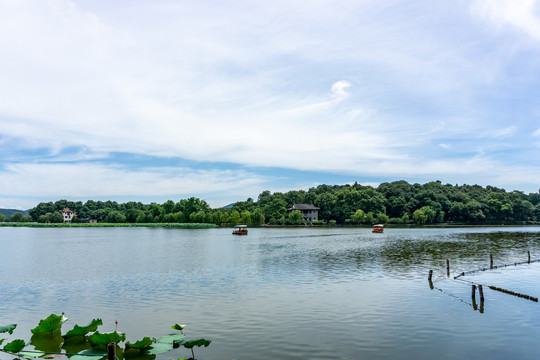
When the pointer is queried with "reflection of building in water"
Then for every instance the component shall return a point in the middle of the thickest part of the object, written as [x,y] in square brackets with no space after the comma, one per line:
[309,212]
[67,214]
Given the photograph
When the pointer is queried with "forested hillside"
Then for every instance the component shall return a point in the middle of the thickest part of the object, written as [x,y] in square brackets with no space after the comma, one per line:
[9,212]
[397,202]
[16,215]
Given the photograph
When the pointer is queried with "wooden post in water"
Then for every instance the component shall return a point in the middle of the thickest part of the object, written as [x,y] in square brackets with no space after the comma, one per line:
[111,351]
[528,257]
[430,275]
[490,261]
[447,267]
[473,293]
[481,292]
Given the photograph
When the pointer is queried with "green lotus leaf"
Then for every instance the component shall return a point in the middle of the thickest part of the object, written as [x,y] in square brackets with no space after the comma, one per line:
[198,342]
[159,348]
[134,354]
[103,339]
[8,328]
[31,354]
[84,330]
[172,339]
[141,344]
[50,324]
[75,344]
[178,327]
[15,346]
[89,354]
[47,341]
[1,341]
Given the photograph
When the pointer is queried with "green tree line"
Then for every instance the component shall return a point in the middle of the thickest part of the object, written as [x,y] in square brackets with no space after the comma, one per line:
[396,202]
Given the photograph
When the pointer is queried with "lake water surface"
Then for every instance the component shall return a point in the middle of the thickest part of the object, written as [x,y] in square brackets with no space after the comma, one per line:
[282,293]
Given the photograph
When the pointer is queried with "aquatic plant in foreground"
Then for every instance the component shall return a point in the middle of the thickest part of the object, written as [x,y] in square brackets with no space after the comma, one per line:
[87,343]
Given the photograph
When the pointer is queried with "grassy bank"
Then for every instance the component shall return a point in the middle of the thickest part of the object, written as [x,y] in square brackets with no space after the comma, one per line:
[62,225]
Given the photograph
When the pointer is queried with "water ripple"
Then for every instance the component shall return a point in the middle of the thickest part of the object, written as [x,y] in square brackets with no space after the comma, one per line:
[282,293]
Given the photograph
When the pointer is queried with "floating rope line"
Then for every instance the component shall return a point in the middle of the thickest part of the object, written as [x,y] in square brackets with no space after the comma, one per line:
[496,288]
[494,268]
[527,297]
[452,295]
[481,286]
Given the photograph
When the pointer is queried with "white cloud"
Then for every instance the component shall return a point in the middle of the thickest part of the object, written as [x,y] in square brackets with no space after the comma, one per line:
[259,84]
[111,87]
[339,89]
[99,180]
[10,203]
[498,133]
[521,14]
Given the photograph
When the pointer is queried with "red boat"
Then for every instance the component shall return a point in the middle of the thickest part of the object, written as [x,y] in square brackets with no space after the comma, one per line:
[240,230]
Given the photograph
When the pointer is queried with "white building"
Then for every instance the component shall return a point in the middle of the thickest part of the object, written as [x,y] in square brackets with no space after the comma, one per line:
[67,214]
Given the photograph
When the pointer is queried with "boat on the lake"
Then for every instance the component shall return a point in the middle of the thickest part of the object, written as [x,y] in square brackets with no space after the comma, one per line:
[379,228]
[240,230]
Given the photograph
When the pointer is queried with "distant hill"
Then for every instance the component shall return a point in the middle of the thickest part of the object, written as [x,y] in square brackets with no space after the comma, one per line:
[228,206]
[9,212]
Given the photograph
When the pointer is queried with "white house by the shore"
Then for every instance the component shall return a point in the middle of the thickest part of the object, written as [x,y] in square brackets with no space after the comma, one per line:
[67,215]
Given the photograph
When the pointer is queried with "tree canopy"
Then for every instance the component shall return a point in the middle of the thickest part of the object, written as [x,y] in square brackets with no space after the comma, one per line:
[393,202]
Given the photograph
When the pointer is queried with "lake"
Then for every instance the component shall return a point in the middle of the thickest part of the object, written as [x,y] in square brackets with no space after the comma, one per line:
[306,293]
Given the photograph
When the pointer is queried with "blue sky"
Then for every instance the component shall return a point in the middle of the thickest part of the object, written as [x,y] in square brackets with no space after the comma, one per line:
[166,99]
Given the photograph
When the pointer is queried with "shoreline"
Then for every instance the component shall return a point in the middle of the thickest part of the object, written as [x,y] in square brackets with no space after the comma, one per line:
[214,226]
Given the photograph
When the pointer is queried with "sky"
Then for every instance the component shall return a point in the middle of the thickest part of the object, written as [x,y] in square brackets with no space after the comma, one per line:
[133,100]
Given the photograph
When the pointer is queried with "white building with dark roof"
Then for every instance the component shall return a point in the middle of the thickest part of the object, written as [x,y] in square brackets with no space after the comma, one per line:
[67,215]
[309,212]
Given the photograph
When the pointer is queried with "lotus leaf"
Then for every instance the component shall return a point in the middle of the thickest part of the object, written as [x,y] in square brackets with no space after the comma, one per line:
[48,342]
[141,344]
[89,354]
[31,354]
[8,328]
[159,348]
[103,339]
[75,344]
[15,346]
[50,324]
[178,327]
[84,330]
[198,342]
[1,341]
[172,339]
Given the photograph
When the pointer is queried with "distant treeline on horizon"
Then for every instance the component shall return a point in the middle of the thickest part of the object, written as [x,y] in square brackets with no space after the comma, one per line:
[395,202]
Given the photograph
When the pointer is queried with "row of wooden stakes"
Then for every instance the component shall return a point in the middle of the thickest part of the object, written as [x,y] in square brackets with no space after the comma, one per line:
[480,288]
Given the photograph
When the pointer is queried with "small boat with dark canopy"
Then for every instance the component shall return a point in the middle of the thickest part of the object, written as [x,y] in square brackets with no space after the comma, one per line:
[379,228]
[240,230]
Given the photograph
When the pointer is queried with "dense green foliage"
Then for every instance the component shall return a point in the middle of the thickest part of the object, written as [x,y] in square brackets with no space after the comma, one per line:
[397,202]
[17,217]
[169,225]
